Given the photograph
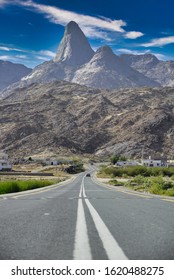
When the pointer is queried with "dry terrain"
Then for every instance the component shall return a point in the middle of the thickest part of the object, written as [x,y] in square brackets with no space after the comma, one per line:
[64,118]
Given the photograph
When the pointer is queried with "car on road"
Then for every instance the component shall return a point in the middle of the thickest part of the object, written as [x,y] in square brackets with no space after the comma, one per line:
[88,175]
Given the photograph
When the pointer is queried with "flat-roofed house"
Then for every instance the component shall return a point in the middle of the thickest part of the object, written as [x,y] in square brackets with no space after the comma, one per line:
[4,162]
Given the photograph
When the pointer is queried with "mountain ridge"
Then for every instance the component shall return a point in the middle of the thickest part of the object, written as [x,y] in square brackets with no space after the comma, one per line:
[11,72]
[64,118]
[75,57]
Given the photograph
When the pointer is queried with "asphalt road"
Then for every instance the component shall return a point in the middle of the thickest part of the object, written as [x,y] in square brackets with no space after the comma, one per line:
[84,219]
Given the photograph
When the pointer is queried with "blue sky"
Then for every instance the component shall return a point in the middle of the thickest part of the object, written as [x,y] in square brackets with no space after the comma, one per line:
[31,30]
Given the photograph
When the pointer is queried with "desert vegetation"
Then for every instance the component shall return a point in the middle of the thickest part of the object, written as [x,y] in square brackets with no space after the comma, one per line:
[17,186]
[140,178]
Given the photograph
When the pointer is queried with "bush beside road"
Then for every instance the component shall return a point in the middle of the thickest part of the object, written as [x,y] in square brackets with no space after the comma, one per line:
[152,180]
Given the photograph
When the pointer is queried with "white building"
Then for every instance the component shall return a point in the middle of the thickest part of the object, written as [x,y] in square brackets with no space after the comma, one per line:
[53,162]
[153,162]
[4,162]
[127,163]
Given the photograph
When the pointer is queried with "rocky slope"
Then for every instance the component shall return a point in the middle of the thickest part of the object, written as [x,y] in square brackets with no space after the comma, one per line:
[160,71]
[11,73]
[77,62]
[74,49]
[107,70]
[60,117]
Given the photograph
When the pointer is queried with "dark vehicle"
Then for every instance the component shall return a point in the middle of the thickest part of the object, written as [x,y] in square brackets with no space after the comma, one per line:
[88,175]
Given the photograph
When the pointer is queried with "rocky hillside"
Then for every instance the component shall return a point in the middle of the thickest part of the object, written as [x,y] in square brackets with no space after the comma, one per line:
[11,73]
[76,62]
[160,71]
[106,70]
[65,118]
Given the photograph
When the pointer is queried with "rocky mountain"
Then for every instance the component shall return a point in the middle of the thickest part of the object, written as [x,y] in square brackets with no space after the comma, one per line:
[11,73]
[77,62]
[74,49]
[160,71]
[65,118]
[107,70]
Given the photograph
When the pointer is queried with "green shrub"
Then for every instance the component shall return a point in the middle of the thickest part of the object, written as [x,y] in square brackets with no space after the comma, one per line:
[139,179]
[116,183]
[170,192]
[160,186]
[132,171]
[16,186]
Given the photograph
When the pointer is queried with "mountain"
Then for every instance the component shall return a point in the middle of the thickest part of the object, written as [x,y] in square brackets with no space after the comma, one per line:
[64,118]
[76,62]
[160,71]
[11,73]
[107,70]
[74,49]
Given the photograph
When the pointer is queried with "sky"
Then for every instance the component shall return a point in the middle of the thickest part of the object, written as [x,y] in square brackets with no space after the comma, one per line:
[31,30]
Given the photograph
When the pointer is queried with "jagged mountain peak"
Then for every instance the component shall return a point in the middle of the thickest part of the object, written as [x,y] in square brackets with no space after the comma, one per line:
[72,26]
[104,49]
[105,57]
[74,49]
[145,59]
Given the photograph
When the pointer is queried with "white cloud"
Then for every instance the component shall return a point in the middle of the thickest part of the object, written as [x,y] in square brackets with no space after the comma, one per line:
[162,56]
[135,52]
[2,2]
[62,17]
[43,58]
[4,49]
[6,2]
[93,27]
[8,49]
[133,35]
[159,42]
[47,53]
[5,57]
[21,56]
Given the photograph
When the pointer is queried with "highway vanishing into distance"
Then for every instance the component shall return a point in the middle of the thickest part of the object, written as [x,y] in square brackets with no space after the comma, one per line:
[84,219]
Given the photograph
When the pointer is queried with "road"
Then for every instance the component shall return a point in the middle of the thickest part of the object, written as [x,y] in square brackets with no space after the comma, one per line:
[84,219]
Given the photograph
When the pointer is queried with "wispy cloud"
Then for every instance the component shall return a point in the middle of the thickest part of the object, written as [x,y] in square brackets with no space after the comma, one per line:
[4,49]
[60,16]
[128,51]
[5,57]
[44,55]
[93,27]
[133,35]
[6,2]
[8,49]
[47,53]
[159,42]
[2,2]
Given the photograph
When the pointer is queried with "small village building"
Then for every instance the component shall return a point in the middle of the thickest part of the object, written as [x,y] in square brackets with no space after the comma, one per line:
[127,163]
[154,162]
[4,162]
[53,162]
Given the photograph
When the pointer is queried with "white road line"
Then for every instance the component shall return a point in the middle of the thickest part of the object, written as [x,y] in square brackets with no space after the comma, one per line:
[82,249]
[81,188]
[112,248]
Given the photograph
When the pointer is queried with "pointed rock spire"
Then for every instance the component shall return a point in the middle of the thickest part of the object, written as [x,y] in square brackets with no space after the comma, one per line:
[74,49]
